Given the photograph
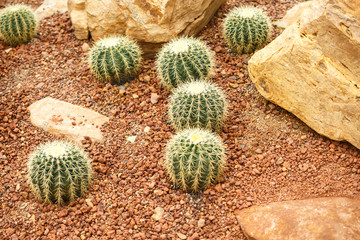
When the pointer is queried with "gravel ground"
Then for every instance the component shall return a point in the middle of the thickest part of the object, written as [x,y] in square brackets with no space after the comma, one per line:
[272,156]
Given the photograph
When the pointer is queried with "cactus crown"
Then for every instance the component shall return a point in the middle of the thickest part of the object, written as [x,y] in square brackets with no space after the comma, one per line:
[184,59]
[198,104]
[246,29]
[18,24]
[115,59]
[59,172]
[194,159]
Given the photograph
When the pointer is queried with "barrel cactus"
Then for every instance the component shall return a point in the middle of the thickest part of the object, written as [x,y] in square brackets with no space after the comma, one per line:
[18,24]
[59,172]
[246,29]
[198,104]
[184,59]
[194,159]
[115,59]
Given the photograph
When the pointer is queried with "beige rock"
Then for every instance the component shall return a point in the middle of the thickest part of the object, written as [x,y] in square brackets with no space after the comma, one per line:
[309,9]
[312,219]
[293,15]
[65,119]
[151,22]
[181,236]
[85,47]
[158,213]
[313,70]
[79,18]
[201,223]
[49,7]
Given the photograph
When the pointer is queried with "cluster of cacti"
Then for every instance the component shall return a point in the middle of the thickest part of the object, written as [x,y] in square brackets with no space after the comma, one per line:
[59,172]
[246,29]
[198,104]
[115,59]
[194,159]
[18,24]
[182,60]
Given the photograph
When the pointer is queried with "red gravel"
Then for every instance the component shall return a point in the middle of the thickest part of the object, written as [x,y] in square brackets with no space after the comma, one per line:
[272,156]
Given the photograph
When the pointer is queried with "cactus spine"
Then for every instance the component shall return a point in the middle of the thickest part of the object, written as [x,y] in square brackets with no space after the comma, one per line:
[184,59]
[194,159]
[59,172]
[18,24]
[198,104]
[246,29]
[115,59]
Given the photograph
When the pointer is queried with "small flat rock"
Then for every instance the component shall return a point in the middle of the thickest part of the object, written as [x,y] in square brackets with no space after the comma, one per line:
[201,223]
[85,47]
[49,7]
[65,119]
[311,219]
[89,203]
[158,213]
[181,236]
[154,98]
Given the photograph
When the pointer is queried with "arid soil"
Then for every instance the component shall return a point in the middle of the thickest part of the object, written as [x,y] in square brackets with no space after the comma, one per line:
[272,156]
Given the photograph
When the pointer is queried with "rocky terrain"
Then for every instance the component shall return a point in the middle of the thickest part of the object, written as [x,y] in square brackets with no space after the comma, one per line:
[271,155]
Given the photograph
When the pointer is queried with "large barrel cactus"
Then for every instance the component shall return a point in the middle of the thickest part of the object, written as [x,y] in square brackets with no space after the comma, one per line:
[246,29]
[18,24]
[195,158]
[182,60]
[115,59]
[198,104]
[59,172]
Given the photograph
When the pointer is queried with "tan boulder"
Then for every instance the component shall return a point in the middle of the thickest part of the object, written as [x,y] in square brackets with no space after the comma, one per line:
[301,9]
[65,119]
[313,70]
[309,9]
[312,219]
[151,22]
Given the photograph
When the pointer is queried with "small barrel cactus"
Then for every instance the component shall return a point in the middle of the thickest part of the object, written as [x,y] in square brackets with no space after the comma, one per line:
[184,59]
[59,172]
[195,158]
[115,59]
[246,29]
[198,104]
[18,24]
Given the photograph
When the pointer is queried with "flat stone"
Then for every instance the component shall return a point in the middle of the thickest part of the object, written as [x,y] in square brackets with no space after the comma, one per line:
[313,69]
[151,22]
[312,219]
[49,7]
[65,119]
[158,213]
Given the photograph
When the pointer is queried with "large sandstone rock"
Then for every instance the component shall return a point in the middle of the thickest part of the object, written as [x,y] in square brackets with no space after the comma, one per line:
[312,219]
[313,69]
[151,22]
[65,119]
[293,15]
[308,9]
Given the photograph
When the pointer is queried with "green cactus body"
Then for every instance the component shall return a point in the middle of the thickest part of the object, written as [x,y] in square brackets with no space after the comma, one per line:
[195,158]
[246,29]
[18,24]
[59,172]
[115,59]
[184,59]
[198,104]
